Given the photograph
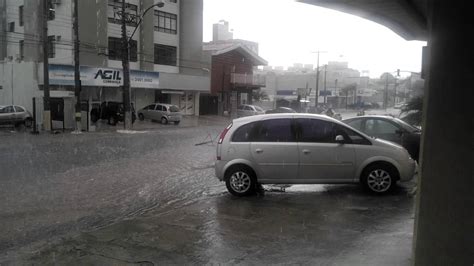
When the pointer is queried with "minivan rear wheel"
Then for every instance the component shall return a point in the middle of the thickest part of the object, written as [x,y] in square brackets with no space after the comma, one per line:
[240,181]
[379,178]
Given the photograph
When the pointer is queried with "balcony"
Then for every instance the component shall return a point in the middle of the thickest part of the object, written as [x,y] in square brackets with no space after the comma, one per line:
[247,80]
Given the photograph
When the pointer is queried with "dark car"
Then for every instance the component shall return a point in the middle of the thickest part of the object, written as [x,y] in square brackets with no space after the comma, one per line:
[391,129]
[113,112]
[280,110]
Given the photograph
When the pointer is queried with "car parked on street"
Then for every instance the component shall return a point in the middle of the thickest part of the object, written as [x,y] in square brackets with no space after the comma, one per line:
[306,149]
[280,110]
[111,111]
[391,129]
[15,115]
[165,113]
[249,110]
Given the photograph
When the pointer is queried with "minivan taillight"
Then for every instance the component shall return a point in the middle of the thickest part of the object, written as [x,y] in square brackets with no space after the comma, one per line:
[222,136]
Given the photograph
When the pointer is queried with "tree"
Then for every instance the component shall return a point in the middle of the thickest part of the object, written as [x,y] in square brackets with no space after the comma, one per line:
[259,95]
[412,112]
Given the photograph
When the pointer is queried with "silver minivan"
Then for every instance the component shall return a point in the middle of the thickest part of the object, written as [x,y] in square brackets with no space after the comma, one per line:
[306,149]
[165,113]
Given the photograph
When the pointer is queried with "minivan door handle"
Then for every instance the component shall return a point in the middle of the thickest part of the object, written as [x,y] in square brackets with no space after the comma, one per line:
[306,151]
[258,150]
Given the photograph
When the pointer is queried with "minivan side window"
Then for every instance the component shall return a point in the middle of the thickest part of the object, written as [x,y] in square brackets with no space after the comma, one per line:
[159,108]
[315,130]
[275,130]
[244,133]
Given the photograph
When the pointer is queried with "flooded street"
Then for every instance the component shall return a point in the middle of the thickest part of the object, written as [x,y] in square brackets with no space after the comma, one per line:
[61,184]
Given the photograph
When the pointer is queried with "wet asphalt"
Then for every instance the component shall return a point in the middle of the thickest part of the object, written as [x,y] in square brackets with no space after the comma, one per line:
[150,197]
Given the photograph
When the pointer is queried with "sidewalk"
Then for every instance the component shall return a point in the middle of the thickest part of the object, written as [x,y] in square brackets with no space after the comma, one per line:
[186,122]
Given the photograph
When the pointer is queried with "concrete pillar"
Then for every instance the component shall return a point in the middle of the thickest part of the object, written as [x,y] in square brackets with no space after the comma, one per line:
[444,215]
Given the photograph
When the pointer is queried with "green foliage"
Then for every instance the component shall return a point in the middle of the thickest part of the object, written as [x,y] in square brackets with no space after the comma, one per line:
[259,95]
[412,112]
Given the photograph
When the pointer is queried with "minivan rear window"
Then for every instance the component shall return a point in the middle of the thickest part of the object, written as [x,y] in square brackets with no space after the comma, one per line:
[244,133]
[174,109]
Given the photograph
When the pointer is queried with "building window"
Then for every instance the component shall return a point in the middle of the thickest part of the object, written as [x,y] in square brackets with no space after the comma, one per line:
[51,46]
[51,10]
[115,49]
[20,15]
[22,49]
[11,27]
[114,10]
[166,22]
[165,55]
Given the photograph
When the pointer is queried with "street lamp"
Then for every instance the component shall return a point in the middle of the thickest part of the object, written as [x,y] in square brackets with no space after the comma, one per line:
[126,59]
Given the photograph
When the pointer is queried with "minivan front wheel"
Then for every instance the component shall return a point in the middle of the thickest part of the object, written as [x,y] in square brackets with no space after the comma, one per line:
[240,181]
[379,178]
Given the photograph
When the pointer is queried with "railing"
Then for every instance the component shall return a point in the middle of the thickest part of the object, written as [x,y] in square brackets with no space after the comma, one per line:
[247,79]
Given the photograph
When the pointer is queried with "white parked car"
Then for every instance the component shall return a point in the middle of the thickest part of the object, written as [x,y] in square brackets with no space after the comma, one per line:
[248,110]
[166,113]
[15,115]
[306,149]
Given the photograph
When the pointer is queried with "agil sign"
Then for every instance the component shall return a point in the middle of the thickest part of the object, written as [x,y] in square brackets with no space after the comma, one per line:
[109,76]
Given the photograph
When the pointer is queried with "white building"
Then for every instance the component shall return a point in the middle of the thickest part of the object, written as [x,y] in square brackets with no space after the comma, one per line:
[165,55]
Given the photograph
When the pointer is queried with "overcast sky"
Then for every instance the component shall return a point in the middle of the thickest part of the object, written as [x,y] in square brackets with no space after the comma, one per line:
[288,32]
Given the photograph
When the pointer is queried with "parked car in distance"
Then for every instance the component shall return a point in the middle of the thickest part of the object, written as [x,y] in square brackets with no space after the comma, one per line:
[306,149]
[15,115]
[248,110]
[111,111]
[166,113]
[280,110]
[391,129]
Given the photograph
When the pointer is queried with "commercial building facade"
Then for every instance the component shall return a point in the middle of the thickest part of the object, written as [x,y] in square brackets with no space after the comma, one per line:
[166,59]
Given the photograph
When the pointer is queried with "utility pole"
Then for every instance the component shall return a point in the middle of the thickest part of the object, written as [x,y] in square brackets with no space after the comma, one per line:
[77,73]
[325,84]
[385,103]
[126,69]
[317,83]
[46,96]
[317,78]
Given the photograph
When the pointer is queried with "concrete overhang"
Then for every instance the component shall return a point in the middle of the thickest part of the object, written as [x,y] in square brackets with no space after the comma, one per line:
[406,18]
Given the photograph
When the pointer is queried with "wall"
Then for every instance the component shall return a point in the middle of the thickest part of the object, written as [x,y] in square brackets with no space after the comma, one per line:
[191,54]
[22,88]
[3,27]
[61,27]
[93,32]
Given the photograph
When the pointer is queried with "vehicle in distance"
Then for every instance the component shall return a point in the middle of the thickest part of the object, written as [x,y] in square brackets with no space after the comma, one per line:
[249,110]
[391,129]
[15,115]
[165,113]
[280,110]
[111,111]
[306,149]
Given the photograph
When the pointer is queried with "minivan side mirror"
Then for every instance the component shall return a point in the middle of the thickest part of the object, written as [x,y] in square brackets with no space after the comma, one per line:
[340,139]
